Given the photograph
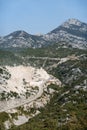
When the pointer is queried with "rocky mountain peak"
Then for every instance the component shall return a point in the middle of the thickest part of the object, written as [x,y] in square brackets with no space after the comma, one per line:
[72,31]
[19,33]
[73,22]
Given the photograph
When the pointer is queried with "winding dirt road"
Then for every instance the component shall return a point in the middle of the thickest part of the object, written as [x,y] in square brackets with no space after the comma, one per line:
[7,105]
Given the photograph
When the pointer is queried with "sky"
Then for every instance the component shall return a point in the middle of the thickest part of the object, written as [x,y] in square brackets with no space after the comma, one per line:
[39,16]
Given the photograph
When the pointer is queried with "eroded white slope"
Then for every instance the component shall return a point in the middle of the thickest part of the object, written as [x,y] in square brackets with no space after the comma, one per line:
[22,77]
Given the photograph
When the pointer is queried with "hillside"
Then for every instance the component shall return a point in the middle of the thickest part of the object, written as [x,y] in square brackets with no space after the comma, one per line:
[68,103]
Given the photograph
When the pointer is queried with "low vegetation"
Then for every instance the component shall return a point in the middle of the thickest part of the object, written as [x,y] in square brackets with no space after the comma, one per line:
[67,109]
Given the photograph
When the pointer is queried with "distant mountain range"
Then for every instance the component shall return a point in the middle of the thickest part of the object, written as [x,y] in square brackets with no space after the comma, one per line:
[72,33]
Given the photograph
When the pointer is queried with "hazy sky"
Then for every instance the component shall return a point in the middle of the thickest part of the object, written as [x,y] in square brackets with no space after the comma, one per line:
[39,16]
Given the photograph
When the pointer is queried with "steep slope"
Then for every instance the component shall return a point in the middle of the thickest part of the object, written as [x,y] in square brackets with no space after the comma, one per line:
[72,32]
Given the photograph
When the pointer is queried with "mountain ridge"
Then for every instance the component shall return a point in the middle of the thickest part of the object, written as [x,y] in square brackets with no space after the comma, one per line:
[71,31]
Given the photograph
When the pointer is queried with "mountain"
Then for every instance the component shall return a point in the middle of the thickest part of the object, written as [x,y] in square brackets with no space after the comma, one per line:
[72,33]
[20,39]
